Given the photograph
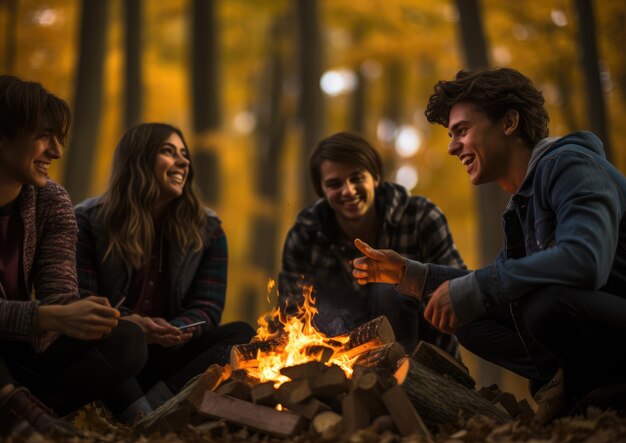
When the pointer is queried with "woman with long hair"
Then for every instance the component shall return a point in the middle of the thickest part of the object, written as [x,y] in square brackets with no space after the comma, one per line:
[149,244]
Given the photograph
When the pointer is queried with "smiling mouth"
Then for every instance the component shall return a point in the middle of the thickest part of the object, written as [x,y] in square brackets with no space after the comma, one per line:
[177,177]
[42,166]
[467,160]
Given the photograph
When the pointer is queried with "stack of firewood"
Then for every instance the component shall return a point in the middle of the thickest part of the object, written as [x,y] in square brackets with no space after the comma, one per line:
[388,391]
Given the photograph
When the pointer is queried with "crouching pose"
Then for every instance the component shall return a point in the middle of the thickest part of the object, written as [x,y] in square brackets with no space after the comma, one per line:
[148,243]
[56,349]
[552,307]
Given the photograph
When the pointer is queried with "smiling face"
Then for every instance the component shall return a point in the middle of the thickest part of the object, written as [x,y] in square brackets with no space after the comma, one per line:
[350,191]
[171,168]
[481,144]
[24,159]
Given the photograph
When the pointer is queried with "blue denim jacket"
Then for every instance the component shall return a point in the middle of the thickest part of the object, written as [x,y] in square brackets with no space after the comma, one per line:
[565,225]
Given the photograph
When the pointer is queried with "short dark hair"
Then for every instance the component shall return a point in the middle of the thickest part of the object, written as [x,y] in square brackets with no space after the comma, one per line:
[493,92]
[26,107]
[345,148]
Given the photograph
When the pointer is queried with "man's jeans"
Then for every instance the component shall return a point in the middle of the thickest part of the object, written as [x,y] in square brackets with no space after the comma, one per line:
[581,331]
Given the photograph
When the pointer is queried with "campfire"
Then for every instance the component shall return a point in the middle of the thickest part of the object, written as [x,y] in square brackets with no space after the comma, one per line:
[284,342]
[291,377]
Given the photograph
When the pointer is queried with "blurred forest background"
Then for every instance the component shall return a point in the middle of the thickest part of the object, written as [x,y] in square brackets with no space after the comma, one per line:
[254,84]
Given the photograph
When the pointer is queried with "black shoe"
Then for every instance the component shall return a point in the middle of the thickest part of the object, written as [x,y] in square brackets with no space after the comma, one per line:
[611,397]
[21,408]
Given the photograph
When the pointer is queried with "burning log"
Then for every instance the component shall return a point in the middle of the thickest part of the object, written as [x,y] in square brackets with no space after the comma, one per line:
[383,357]
[255,416]
[235,388]
[368,336]
[438,399]
[245,355]
[441,362]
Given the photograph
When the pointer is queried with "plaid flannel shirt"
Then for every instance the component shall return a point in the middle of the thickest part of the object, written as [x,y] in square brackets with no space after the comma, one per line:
[197,279]
[316,254]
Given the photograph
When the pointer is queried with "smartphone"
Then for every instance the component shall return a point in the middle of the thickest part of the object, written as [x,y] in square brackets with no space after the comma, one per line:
[191,325]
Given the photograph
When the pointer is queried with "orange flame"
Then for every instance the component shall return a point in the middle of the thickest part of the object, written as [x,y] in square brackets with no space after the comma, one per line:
[300,338]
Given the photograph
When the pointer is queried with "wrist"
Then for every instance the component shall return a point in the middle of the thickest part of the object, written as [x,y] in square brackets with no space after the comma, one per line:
[46,319]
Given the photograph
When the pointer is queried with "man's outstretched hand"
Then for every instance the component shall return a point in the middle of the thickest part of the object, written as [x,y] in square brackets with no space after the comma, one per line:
[378,265]
[439,311]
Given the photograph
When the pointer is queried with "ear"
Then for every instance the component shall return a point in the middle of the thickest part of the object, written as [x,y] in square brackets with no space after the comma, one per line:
[510,121]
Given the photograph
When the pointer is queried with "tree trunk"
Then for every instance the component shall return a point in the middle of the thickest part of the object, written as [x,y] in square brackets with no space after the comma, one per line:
[10,44]
[594,94]
[491,200]
[311,103]
[87,99]
[132,69]
[205,96]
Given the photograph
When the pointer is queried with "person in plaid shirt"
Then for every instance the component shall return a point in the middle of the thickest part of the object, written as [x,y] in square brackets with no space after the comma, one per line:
[356,203]
[150,245]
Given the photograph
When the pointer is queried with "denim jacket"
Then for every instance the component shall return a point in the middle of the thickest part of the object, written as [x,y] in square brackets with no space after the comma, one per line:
[565,225]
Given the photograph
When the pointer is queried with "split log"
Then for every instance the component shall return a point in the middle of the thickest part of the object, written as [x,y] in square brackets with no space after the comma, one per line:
[355,413]
[245,355]
[235,388]
[328,424]
[384,357]
[193,392]
[439,400]
[369,335]
[443,363]
[404,415]
[258,417]
[308,407]
[331,383]
[309,369]
[263,394]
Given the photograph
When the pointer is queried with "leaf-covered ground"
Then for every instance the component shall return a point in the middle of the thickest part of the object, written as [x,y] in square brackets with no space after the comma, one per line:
[595,427]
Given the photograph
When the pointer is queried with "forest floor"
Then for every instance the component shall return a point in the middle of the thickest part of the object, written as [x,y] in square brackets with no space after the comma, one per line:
[595,427]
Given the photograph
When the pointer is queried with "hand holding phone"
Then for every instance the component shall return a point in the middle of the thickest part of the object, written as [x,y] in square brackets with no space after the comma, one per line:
[191,325]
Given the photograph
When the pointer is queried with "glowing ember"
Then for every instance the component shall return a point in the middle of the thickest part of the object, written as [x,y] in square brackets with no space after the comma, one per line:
[303,343]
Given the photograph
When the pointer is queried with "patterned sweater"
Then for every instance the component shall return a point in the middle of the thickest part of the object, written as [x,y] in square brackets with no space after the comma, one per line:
[48,263]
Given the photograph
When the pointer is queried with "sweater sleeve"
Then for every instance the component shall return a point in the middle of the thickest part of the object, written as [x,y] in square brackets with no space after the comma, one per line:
[206,298]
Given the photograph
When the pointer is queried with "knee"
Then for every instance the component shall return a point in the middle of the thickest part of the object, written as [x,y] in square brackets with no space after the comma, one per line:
[125,350]
[242,331]
[546,311]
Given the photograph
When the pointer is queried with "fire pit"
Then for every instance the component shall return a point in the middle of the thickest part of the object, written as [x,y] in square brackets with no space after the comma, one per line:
[291,378]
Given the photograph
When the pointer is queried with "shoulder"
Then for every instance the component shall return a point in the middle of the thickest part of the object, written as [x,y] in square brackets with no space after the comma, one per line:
[213,223]
[52,193]
[398,205]
[88,205]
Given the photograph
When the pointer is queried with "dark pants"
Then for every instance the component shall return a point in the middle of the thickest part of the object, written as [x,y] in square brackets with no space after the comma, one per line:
[581,331]
[72,372]
[406,316]
[177,365]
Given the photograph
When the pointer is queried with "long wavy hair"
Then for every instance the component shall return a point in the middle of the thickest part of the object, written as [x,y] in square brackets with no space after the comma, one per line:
[132,194]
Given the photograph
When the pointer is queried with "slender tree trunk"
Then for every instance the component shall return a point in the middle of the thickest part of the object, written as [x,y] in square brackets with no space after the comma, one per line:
[271,135]
[132,69]
[205,96]
[87,99]
[311,101]
[10,43]
[491,200]
[594,94]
